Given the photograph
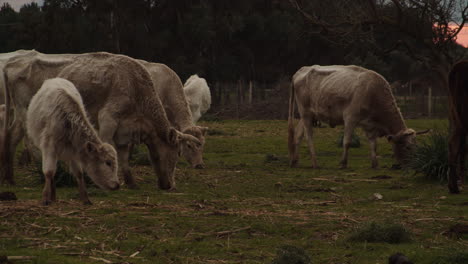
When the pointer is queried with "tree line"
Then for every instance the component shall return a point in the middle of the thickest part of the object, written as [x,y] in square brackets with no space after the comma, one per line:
[227,41]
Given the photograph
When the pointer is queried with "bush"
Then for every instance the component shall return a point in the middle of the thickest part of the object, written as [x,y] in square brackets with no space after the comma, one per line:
[431,157]
[63,178]
[291,255]
[380,232]
[457,257]
[139,156]
[355,141]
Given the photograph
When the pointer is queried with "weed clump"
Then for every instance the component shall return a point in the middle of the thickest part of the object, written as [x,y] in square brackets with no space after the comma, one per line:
[381,233]
[63,178]
[139,156]
[291,255]
[355,141]
[457,257]
[431,157]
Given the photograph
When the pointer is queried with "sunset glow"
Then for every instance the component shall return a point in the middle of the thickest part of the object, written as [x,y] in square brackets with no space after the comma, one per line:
[462,37]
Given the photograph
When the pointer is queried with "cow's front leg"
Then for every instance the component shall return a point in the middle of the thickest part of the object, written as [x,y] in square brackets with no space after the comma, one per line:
[307,126]
[49,166]
[107,126]
[348,132]
[373,151]
[298,136]
[123,154]
[78,173]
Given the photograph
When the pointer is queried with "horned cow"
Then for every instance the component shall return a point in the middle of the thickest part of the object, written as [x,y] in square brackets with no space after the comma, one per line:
[198,96]
[170,90]
[57,124]
[119,96]
[350,96]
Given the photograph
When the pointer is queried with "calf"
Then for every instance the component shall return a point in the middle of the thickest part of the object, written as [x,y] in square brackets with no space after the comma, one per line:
[57,124]
[198,96]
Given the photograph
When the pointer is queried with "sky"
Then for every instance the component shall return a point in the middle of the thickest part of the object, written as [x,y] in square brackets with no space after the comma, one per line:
[16,4]
[462,37]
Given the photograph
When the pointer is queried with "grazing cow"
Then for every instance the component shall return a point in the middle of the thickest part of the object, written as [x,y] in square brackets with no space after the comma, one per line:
[348,95]
[198,96]
[4,58]
[57,124]
[458,116]
[118,95]
[171,92]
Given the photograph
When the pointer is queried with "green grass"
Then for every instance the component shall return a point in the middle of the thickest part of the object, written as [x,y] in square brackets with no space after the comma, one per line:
[243,208]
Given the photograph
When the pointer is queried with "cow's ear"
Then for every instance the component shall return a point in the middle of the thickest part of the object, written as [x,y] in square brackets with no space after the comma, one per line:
[173,136]
[203,130]
[90,147]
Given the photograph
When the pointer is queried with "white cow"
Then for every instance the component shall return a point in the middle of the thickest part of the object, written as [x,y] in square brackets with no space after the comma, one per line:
[58,125]
[350,96]
[198,96]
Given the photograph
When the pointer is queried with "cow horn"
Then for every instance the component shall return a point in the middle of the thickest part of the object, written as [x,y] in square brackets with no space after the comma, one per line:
[423,131]
[188,137]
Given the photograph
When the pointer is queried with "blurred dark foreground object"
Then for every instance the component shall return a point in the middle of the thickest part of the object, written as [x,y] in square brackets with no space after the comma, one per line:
[7,196]
[398,258]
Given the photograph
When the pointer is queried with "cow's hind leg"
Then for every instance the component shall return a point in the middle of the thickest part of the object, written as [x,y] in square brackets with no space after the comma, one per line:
[461,160]
[307,126]
[454,158]
[298,136]
[49,166]
[373,151]
[78,173]
[348,132]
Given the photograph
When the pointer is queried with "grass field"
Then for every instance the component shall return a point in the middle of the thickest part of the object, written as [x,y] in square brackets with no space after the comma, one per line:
[245,205]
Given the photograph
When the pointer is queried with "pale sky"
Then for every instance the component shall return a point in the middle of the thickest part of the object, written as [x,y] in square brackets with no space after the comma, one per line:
[17,4]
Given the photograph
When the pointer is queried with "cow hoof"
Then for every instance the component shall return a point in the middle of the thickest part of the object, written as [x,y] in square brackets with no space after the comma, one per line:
[293,164]
[87,202]
[343,166]
[46,202]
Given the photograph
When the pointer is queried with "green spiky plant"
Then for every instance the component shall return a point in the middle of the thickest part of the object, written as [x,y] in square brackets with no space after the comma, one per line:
[355,141]
[430,157]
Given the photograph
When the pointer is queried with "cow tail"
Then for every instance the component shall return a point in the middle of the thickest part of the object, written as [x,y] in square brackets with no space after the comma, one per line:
[291,143]
[5,140]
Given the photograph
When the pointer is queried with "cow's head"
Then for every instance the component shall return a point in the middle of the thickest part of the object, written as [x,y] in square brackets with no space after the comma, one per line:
[100,163]
[164,154]
[403,143]
[192,151]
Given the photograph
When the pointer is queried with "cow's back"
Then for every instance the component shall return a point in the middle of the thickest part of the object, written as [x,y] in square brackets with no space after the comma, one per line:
[458,90]
[170,90]
[328,93]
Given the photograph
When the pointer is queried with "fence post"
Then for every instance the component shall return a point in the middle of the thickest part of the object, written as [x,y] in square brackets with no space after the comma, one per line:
[250,92]
[429,101]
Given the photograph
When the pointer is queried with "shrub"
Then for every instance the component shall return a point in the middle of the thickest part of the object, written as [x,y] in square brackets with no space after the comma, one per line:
[139,156]
[355,141]
[380,232]
[63,178]
[431,157]
[291,255]
[456,257]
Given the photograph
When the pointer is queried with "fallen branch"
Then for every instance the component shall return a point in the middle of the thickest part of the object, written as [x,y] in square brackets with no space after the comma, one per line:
[11,258]
[101,259]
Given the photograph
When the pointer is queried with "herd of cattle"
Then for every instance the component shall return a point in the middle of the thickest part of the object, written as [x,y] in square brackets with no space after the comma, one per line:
[90,109]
